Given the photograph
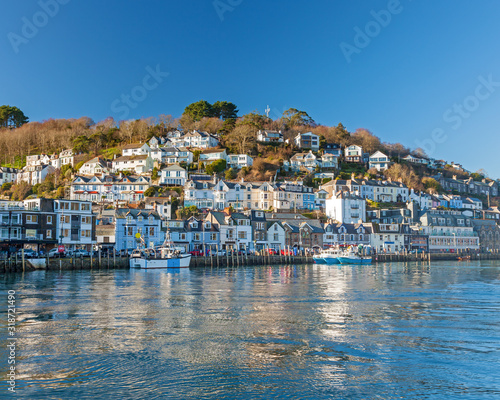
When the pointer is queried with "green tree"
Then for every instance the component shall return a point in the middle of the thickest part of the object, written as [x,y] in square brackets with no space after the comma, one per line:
[216,167]
[150,192]
[11,117]
[230,174]
[6,186]
[154,174]
[81,144]
[293,117]
[224,110]
[199,110]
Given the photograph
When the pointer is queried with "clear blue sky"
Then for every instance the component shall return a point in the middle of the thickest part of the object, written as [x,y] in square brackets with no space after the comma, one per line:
[427,68]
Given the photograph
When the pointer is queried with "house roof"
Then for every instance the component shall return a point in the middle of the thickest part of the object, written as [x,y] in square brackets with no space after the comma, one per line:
[133,146]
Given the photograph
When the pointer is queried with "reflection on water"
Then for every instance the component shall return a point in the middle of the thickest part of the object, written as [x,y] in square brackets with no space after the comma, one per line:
[315,331]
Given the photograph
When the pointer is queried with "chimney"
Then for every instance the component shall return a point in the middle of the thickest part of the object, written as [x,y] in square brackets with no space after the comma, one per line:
[454,177]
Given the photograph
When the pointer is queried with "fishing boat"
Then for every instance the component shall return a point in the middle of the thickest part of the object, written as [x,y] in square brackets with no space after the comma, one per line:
[164,256]
[463,258]
[328,256]
[355,255]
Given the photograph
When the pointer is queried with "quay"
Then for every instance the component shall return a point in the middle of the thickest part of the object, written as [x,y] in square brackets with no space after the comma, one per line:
[18,264]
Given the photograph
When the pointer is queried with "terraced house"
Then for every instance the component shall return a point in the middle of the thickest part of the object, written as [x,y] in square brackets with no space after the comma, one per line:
[110,188]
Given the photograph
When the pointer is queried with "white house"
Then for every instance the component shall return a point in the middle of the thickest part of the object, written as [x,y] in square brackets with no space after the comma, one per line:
[346,207]
[35,173]
[353,154]
[8,175]
[172,155]
[109,188]
[136,149]
[379,161]
[202,140]
[276,237]
[210,155]
[137,164]
[329,161]
[307,140]
[67,157]
[173,175]
[97,165]
[269,136]
[239,161]
[306,160]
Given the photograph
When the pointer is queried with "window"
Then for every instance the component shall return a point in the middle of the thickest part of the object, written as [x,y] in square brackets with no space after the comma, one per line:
[242,235]
[151,231]
[196,236]
[139,219]
[213,236]
[64,219]
[85,207]
[75,206]
[276,237]
[31,219]
[275,227]
[49,219]
[182,236]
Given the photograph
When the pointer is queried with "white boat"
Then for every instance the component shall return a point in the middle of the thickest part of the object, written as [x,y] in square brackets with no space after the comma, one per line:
[165,256]
[328,256]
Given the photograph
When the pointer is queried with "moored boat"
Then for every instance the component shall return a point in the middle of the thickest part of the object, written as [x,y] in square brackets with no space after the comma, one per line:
[165,256]
[355,256]
[328,256]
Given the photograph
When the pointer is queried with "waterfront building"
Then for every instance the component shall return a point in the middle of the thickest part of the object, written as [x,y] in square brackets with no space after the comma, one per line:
[29,228]
[346,207]
[130,221]
[74,221]
[448,231]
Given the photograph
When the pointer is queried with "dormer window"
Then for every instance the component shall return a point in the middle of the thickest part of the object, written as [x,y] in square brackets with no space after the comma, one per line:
[194,224]
[139,219]
[129,218]
[207,225]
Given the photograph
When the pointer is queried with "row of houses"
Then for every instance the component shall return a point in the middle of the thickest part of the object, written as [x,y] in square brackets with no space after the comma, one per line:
[45,223]
[257,230]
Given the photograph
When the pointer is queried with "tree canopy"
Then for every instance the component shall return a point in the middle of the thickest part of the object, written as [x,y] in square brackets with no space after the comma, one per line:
[11,117]
[203,109]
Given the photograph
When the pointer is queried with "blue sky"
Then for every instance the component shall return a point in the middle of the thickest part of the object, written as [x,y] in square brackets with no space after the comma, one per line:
[419,73]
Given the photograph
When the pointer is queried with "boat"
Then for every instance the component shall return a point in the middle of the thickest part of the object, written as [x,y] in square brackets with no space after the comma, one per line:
[355,255]
[164,256]
[463,258]
[328,256]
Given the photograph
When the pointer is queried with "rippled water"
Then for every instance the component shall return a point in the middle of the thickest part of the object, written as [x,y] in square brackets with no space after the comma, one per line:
[300,332]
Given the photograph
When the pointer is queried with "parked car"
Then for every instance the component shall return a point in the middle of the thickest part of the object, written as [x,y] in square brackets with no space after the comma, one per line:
[56,253]
[27,253]
[286,252]
[272,252]
[81,253]
[196,253]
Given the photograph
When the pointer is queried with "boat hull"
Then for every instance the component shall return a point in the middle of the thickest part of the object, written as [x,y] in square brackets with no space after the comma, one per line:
[319,260]
[355,260]
[160,263]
